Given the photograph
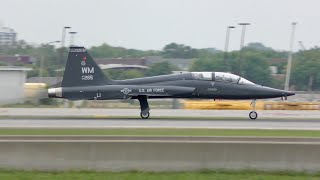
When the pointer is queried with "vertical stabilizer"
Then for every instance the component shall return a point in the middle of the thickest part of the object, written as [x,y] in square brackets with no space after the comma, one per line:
[81,70]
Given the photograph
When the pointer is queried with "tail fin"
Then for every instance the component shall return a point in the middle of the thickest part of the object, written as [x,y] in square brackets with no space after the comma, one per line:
[81,70]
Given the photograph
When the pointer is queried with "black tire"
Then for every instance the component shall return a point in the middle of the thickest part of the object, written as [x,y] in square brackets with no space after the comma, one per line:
[145,116]
[253,115]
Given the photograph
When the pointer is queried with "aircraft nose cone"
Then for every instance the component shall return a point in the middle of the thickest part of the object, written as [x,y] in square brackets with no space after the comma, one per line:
[288,93]
[267,92]
[282,93]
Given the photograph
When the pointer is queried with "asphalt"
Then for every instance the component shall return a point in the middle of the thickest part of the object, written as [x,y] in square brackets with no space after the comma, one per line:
[160,118]
[161,123]
[155,113]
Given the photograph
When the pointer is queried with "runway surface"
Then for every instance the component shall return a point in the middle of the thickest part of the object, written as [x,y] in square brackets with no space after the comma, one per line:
[155,113]
[160,123]
[100,138]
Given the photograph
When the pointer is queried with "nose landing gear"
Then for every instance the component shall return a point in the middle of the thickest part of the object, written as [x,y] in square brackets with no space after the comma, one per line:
[145,115]
[253,114]
[144,106]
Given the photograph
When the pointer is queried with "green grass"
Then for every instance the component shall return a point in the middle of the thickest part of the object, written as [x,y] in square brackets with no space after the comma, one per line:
[162,132]
[201,175]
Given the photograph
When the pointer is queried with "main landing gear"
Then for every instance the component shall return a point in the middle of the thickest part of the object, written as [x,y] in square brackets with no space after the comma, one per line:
[253,114]
[144,106]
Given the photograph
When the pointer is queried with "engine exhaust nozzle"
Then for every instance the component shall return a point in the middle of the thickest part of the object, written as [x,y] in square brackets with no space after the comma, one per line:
[55,92]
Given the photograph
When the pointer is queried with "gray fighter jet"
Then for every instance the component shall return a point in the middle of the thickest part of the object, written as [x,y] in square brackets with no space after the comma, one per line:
[84,80]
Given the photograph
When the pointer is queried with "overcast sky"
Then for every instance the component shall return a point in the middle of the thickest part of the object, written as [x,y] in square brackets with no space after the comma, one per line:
[151,24]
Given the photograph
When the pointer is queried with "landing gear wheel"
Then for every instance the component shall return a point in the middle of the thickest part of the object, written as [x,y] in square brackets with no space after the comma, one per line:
[144,106]
[253,115]
[145,115]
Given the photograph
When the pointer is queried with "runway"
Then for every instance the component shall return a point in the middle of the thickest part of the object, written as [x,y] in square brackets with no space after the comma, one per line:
[161,123]
[155,113]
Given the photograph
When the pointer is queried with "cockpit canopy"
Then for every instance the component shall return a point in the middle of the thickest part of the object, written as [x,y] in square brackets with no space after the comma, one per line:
[220,76]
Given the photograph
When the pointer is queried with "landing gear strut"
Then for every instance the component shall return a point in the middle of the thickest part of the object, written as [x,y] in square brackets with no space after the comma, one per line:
[144,106]
[253,114]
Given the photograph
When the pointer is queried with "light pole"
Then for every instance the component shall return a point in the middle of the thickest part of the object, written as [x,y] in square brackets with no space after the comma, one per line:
[72,34]
[244,25]
[42,61]
[289,64]
[63,38]
[226,45]
[302,46]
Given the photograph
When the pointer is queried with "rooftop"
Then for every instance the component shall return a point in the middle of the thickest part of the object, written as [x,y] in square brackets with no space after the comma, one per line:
[115,66]
[14,68]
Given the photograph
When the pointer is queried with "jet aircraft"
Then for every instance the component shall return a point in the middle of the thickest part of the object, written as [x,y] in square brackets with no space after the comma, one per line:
[84,80]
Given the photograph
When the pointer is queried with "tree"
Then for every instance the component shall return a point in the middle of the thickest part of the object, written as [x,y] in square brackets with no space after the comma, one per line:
[256,68]
[306,70]
[133,74]
[160,68]
[210,63]
[45,53]
[118,74]
[258,46]
[254,65]
[107,51]
[174,50]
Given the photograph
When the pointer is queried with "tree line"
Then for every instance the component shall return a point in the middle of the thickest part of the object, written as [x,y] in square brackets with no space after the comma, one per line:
[252,62]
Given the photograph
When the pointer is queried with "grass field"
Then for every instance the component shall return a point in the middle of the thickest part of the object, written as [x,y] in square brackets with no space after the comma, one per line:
[162,132]
[202,175]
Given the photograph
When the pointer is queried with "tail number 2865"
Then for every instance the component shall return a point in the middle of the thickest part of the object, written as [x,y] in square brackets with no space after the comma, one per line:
[87,77]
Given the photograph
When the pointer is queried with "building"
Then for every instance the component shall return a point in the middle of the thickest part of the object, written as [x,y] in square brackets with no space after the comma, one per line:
[49,81]
[125,61]
[144,62]
[123,67]
[15,60]
[7,37]
[122,63]
[277,68]
[12,84]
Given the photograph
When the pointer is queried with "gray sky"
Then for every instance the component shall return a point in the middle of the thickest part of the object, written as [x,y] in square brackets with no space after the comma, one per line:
[150,24]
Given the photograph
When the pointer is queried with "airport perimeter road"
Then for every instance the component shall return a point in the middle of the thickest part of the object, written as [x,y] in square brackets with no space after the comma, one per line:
[169,123]
[155,113]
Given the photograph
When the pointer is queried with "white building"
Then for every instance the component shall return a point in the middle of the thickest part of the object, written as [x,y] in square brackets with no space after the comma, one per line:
[12,81]
[7,36]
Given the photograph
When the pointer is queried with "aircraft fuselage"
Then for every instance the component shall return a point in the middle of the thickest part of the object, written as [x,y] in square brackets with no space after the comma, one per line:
[169,86]
[84,80]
